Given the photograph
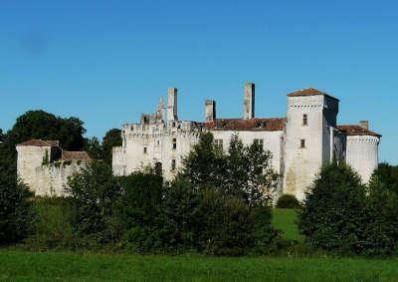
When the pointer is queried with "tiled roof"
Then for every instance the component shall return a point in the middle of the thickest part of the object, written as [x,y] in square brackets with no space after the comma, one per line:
[356,130]
[309,92]
[41,143]
[75,156]
[255,124]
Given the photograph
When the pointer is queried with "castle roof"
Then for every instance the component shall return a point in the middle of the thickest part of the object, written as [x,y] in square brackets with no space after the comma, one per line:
[255,124]
[356,130]
[75,156]
[310,92]
[40,143]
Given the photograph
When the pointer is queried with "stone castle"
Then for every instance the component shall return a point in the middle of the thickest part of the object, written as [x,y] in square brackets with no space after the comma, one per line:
[300,143]
[45,167]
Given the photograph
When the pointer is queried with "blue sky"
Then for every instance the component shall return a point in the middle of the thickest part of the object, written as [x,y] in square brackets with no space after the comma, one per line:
[108,61]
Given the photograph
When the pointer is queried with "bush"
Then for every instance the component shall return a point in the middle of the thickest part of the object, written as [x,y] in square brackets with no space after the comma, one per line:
[225,224]
[96,196]
[140,211]
[53,229]
[288,202]
[16,213]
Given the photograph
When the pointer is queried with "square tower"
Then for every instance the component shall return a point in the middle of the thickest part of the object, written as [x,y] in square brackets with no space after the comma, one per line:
[311,118]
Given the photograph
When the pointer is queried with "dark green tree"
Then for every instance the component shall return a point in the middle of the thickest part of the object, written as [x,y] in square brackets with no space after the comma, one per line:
[16,213]
[42,125]
[140,210]
[96,196]
[335,212]
[113,138]
[93,148]
[381,233]
[388,175]
[205,165]
[181,219]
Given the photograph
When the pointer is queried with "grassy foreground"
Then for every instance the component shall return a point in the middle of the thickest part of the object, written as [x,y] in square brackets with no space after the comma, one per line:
[50,266]
[19,265]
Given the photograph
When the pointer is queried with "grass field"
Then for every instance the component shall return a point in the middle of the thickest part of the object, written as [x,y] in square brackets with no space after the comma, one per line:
[285,221]
[19,265]
[50,266]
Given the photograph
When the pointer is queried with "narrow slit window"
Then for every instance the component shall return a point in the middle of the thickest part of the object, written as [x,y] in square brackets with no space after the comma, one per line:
[173,165]
[145,150]
[305,120]
[302,143]
[174,143]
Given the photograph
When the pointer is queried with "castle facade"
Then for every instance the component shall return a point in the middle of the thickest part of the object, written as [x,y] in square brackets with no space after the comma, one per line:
[301,143]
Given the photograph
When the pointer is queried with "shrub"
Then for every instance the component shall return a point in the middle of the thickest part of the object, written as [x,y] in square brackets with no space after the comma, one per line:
[140,210]
[16,213]
[53,229]
[288,202]
[226,225]
[96,195]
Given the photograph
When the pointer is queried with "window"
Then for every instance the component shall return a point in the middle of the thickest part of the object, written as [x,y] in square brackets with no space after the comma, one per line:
[305,120]
[219,143]
[259,142]
[302,143]
[145,150]
[174,143]
[173,165]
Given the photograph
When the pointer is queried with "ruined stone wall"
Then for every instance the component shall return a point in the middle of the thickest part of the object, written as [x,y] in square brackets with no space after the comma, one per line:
[44,177]
[52,179]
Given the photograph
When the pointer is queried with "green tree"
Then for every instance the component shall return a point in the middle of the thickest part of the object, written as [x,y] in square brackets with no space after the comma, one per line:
[387,175]
[381,233]
[113,138]
[93,148]
[181,219]
[140,210]
[334,215]
[96,196]
[16,213]
[42,125]
[205,165]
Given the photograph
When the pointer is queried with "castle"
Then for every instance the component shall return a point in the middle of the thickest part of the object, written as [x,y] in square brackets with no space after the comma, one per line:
[300,143]
[45,167]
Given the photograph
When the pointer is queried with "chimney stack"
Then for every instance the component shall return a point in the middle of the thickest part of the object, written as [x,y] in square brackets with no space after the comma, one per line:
[364,124]
[210,110]
[172,104]
[249,101]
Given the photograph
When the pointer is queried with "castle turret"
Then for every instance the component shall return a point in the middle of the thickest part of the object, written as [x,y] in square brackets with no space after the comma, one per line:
[362,152]
[249,101]
[172,105]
